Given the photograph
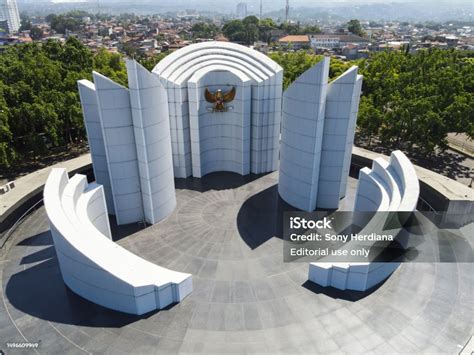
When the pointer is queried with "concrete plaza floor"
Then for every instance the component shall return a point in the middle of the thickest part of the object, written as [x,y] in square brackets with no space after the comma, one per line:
[226,231]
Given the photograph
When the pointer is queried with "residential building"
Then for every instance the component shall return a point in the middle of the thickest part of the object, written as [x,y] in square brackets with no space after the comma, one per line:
[335,40]
[241,10]
[295,41]
[9,13]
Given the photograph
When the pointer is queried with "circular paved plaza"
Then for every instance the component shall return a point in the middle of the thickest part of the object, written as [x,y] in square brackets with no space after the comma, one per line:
[226,231]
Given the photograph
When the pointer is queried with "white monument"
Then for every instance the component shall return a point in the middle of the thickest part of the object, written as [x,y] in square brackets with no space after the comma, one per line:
[318,126]
[243,135]
[129,139]
[208,107]
[91,264]
[217,106]
[388,187]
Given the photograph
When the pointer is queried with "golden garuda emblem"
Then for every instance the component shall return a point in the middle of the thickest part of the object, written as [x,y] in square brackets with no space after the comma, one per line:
[219,99]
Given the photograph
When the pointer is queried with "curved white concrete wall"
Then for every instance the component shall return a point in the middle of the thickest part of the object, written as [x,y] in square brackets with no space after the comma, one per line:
[90,111]
[386,187]
[371,192]
[302,136]
[120,149]
[266,88]
[149,104]
[405,175]
[129,137]
[342,106]
[92,202]
[318,126]
[91,264]
[220,141]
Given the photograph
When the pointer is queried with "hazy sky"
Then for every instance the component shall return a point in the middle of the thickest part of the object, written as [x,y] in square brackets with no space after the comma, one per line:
[295,2]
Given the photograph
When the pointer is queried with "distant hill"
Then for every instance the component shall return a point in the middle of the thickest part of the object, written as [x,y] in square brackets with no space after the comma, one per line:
[438,10]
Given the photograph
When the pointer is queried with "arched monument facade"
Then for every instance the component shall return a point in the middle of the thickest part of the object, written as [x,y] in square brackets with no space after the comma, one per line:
[248,129]
[208,107]
[219,106]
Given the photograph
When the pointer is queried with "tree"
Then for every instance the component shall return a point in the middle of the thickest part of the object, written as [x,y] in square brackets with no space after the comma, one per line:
[150,62]
[66,22]
[204,30]
[290,28]
[264,29]
[369,120]
[337,67]
[6,152]
[235,31]
[460,113]
[250,24]
[25,24]
[111,65]
[354,27]
[411,101]
[296,63]
[39,100]
[311,30]
[297,29]
[375,24]
[49,18]
[36,33]
[130,49]
[245,31]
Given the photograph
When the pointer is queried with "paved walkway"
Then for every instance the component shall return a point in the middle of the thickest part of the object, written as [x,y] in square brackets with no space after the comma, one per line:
[226,232]
[461,142]
[32,182]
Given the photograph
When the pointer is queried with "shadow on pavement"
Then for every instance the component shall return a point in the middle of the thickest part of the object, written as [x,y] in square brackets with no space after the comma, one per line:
[261,217]
[39,291]
[347,295]
[216,181]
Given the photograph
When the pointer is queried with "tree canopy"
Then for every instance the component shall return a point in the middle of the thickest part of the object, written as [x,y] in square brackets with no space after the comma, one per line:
[235,31]
[36,33]
[25,23]
[70,21]
[251,29]
[39,100]
[296,63]
[409,101]
[355,27]
[297,29]
[204,30]
[150,62]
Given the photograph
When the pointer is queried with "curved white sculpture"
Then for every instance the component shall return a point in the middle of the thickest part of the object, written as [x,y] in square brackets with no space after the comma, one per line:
[259,81]
[91,264]
[149,104]
[162,127]
[386,187]
[130,143]
[302,137]
[95,139]
[318,125]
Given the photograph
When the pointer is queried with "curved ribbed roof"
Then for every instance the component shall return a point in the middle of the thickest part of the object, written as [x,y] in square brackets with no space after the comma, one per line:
[180,65]
[188,73]
[217,67]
